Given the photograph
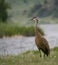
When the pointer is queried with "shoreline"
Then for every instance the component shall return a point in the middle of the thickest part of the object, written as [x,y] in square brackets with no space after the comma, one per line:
[13,36]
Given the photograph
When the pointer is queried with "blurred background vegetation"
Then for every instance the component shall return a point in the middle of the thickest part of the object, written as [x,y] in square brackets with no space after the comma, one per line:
[22,10]
[15,14]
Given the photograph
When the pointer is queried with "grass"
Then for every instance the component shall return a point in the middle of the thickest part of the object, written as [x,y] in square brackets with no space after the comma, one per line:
[31,58]
[7,29]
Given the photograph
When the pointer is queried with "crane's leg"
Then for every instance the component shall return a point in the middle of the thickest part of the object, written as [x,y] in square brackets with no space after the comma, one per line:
[40,52]
[44,55]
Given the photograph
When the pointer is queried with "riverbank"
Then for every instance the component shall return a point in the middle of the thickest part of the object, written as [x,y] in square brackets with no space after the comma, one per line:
[9,30]
[12,36]
[31,58]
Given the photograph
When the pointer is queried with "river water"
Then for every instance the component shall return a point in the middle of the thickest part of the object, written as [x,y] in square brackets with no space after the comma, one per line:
[16,45]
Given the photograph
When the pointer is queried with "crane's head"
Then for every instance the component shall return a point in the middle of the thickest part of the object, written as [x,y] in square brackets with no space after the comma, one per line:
[35,19]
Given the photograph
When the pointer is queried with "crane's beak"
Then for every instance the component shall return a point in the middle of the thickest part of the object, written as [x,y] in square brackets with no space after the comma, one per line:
[31,19]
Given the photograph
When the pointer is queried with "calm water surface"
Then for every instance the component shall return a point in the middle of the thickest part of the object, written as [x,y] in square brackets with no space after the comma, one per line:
[21,44]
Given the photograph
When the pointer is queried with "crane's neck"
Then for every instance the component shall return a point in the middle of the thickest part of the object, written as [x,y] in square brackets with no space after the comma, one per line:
[36,27]
[36,30]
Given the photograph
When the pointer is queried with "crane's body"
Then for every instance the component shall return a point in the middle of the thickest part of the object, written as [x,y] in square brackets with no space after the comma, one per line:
[41,42]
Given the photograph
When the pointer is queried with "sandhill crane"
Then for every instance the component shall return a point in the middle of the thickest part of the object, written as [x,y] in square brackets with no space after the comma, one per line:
[41,42]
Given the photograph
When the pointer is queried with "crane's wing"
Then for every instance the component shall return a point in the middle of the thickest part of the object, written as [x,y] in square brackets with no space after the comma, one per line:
[44,42]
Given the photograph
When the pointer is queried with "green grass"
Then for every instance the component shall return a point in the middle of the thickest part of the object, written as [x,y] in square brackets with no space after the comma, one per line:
[31,58]
[8,29]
